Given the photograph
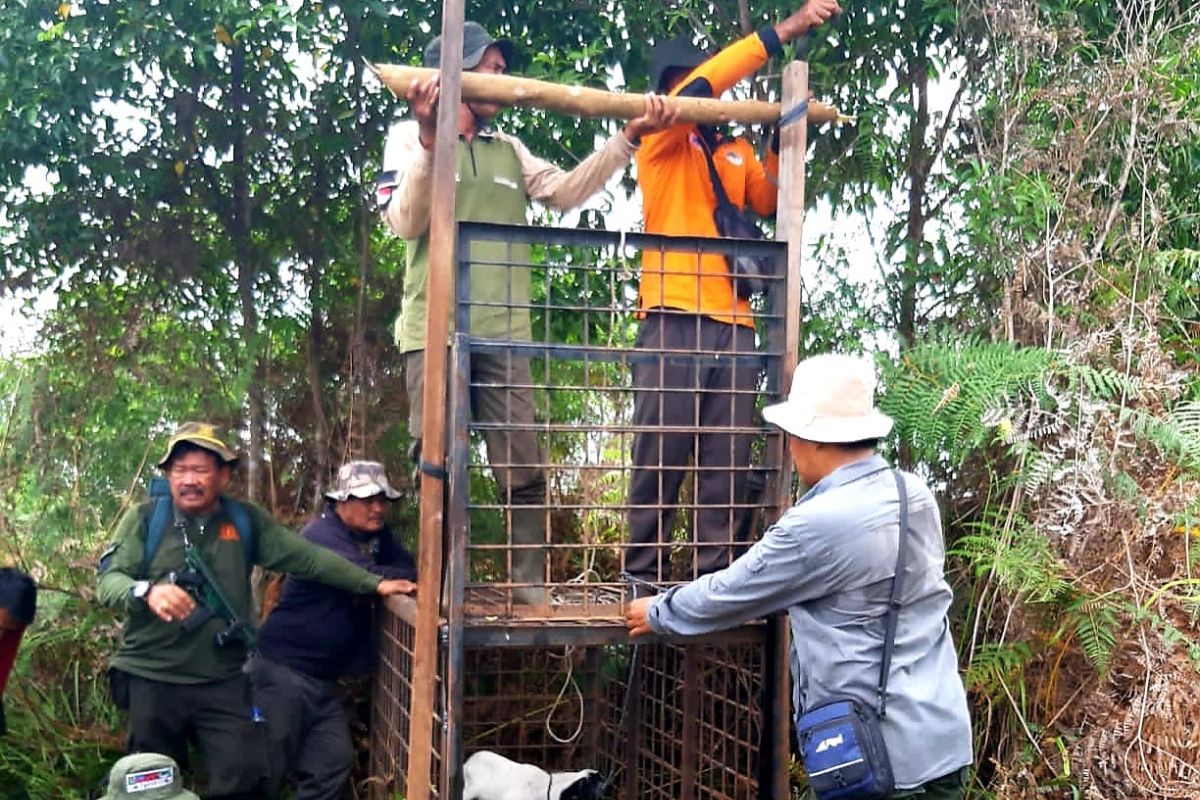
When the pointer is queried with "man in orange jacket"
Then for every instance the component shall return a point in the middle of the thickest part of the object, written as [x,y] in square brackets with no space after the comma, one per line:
[688,303]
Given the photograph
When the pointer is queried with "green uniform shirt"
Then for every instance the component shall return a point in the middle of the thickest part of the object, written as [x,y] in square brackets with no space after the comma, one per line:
[162,651]
[490,188]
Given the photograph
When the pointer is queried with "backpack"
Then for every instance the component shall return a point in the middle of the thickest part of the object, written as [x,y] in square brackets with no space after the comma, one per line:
[163,514]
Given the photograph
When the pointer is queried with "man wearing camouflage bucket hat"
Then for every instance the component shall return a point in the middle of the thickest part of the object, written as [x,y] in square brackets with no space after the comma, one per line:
[318,634]
[146,776]
[180,570]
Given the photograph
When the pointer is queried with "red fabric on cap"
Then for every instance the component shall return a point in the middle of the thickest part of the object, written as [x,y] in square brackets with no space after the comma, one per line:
[8,655]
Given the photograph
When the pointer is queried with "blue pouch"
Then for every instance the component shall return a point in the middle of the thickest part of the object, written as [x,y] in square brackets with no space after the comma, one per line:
[844,753]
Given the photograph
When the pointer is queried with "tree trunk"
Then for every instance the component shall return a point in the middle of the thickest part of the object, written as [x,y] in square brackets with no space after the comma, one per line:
[357,436]
[918,173]
[312,359]
[247,272]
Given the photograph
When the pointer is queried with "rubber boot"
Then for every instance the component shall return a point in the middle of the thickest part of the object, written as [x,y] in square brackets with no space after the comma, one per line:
[529,564]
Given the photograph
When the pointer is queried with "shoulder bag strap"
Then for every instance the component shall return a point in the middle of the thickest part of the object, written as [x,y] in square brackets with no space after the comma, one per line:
[718,187]
[889,637]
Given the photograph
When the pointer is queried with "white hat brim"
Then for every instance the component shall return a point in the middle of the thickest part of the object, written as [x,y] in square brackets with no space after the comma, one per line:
[825,429]
[370,490]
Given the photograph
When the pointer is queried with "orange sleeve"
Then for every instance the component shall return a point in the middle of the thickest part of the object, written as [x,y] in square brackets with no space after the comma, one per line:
[762,183]
[739,60]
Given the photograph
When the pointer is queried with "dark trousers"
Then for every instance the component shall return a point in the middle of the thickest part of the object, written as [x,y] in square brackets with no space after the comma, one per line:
[215,717]
[308,737]
[684,411]
[501,396]
[502,402]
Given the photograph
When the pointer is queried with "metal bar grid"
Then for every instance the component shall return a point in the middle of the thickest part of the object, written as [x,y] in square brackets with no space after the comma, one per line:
[569,302]
[658,719]
[391,704]
[696,720]
[694,728]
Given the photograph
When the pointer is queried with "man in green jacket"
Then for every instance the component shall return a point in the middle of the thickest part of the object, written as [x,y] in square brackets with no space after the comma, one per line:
[497,177]
[179,669]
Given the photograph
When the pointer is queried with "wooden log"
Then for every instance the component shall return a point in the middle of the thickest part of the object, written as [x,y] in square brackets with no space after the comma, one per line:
[582,101]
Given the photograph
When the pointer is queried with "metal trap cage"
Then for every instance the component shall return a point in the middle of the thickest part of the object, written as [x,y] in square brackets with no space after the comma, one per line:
[581,397]
[591,439]
[658,720]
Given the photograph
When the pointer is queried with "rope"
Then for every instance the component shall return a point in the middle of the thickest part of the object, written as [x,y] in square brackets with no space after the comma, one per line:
[568,652]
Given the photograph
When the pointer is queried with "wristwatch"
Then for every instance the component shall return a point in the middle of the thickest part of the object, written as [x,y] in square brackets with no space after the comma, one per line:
[140,590]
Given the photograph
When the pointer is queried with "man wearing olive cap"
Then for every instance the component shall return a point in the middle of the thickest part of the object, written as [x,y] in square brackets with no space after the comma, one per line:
[318,634]
[497,176]
[146,776]
[180,678]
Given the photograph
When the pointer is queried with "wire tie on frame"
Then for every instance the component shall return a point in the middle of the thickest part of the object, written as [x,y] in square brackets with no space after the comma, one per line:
[792,114]
[433,471]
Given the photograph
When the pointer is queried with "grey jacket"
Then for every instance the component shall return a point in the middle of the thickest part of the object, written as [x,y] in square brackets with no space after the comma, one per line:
[829,561]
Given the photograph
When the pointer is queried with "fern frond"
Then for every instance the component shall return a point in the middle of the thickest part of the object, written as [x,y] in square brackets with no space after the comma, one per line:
[1176,434]
[1019,558]
[1094,623]
[994,665]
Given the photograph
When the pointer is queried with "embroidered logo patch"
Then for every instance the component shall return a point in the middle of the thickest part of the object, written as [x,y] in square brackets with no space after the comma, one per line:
[384,188]
[734,158]
[228,533]
[149,779]
[833,741]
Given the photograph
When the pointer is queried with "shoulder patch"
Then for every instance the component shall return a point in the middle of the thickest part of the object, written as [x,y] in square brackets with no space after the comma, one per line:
[384,188]
[107,556]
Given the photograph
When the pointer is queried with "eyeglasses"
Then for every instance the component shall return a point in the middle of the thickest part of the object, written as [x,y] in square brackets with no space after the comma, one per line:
[181,471]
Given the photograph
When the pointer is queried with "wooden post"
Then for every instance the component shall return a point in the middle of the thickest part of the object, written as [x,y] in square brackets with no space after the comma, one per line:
[433,437]
[793,147]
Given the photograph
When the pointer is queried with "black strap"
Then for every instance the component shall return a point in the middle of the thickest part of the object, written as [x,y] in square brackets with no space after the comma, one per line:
[433,471]
[718,188]
[889,637]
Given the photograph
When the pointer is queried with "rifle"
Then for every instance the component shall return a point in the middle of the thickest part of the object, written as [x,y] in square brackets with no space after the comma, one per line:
[200,582]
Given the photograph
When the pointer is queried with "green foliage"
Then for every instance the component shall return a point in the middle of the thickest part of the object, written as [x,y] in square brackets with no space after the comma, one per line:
[1019,558]
[948,397]
[1176,433]
[996,666]
[63,730]
[1096,624]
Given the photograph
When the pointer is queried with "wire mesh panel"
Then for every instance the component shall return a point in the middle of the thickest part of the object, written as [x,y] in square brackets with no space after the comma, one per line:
[608,437]
[603,439]
[657,720]
[391,703]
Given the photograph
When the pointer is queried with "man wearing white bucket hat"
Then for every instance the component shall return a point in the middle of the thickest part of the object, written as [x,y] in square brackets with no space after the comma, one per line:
[830,561]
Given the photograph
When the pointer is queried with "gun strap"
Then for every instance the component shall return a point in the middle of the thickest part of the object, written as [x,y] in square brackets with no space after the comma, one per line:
[193,554]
